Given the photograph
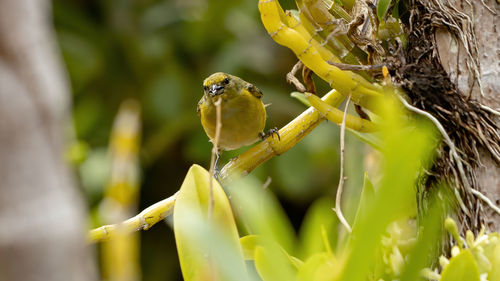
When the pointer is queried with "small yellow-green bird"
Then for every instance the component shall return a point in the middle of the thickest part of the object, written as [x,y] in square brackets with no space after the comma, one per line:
[243,114]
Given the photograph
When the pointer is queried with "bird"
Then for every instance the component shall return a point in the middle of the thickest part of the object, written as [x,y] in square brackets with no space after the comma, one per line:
[243,114]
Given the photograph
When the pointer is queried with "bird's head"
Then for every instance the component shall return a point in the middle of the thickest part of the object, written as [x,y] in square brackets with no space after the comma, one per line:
[216,84]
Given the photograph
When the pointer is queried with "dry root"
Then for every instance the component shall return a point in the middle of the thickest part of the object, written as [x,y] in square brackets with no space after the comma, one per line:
[467,123]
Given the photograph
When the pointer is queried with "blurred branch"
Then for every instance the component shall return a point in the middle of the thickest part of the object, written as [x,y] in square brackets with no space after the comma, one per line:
[144,220]
[121,255]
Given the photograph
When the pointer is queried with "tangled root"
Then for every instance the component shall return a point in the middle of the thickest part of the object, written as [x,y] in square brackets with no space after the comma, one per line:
[468,124]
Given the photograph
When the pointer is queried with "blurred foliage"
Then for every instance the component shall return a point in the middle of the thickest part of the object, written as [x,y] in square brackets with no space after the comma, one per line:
[158,53]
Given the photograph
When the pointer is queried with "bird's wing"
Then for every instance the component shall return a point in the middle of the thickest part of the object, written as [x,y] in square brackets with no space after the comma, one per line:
[254,91]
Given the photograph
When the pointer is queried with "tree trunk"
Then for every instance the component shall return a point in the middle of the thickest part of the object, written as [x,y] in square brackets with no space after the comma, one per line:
[450,52]
[453,57]
[42,233]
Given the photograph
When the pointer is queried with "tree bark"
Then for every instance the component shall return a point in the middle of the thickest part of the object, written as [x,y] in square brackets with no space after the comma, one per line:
[453,58]
[42,229]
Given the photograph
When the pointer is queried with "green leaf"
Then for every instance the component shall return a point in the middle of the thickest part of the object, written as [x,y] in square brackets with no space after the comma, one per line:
[272,263]
[366,199]
[208,245]
[300,97]
[494,274]
[261,214]
[382,7]
[395,10]
[319,267]
[250,242]
[405,151]
[462,267]
[430,232]
[319,216]
[369,138]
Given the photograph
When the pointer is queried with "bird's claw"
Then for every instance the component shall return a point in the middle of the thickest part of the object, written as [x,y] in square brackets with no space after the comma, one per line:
[271,132]
[217,174]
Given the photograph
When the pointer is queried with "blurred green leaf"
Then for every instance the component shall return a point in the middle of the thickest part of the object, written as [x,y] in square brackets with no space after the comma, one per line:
[494,274]
[273,264]
[404,152]
[366,200]
[429,236]
[371,139]
[462,267]
[261,213]
[319,267]
[320,217]
[248,244]
[207,244]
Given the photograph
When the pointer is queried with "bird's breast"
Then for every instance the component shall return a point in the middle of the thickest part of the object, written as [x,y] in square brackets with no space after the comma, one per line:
[243,118]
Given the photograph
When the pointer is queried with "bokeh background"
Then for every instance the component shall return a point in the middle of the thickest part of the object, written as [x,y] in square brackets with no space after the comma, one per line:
[158,53]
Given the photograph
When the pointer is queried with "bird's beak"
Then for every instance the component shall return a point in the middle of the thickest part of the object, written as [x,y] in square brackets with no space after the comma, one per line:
[215,90]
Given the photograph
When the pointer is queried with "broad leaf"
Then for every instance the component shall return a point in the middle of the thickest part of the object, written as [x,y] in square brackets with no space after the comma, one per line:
[208,244]
[319,218]
[261,214]
[462,267]
[494,274]
[319,267]
[272,263]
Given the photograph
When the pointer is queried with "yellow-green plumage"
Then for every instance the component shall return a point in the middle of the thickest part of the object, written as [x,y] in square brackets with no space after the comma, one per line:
[243,114]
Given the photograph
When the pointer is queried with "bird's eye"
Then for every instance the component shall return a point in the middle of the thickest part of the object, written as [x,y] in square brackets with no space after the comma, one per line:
[205,88]
[226,81]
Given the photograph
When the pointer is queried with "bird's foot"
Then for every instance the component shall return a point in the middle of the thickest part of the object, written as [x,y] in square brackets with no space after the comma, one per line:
[217,173]
[271,132]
